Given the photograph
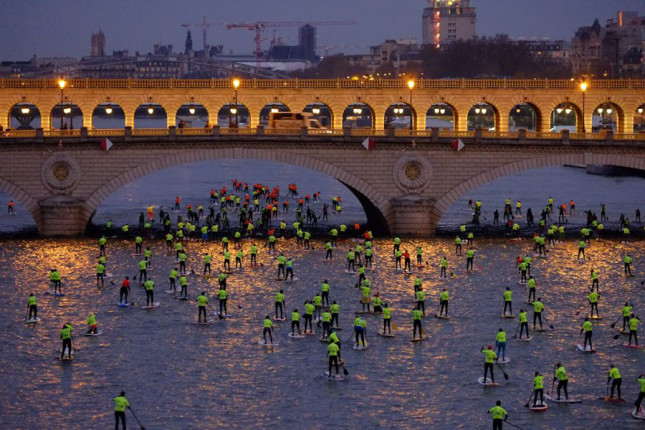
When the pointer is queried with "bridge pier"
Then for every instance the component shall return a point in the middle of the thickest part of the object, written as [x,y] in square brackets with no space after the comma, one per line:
[413,216]
[61,216]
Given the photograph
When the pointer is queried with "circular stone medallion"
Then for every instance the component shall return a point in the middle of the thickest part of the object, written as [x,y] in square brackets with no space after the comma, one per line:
[60,173]
[412,172]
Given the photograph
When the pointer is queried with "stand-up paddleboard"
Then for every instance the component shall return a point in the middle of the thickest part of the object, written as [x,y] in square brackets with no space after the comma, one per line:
[539,408]
[153,306]
[308,333]
[507,316]
[336,328]
[324,339]
[524,339]
[361,312]
[222,316]
[279,319]
[611,399]
[505,360]
[361,347]
[587,349]
[351,272]
[639,414]
[98,333]
[267,343]
[488,383]
[521,283]
[170,292]
[540,330]
[418,339]
[296,336]
[561,400]
[67,357]
[334,377]
[626,345]
[294,279]
[51,293]
[595,318]
[380,333]
[32,320]
[211,321]
[123,304]
[443,317]
[183,299]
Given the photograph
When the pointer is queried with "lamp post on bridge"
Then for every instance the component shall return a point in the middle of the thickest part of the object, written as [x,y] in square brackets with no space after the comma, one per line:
[236,85]
[411,86]
[583,88]
[61,84]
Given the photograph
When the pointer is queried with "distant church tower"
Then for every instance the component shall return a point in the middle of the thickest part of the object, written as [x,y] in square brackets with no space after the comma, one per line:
[98,44]
[189,42]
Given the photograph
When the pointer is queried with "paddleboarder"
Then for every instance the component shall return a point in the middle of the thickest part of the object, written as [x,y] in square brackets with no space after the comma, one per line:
[387,318]
[616,381]
[634,321]
[443,302]
[499,415]
[202,301]
[417,315]
[33,307]
[268,328]
[150,294]
[489,359]
[120,403]
[538,389]
[500,344]
[587,327]
[91,324]
[124,292]
[508,297]
[332,352]
[280,304]
[295,321]
[66,336]
[563,381]
[641,394]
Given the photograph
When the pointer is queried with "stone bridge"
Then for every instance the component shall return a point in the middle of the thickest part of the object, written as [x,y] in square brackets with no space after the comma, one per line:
[405,183]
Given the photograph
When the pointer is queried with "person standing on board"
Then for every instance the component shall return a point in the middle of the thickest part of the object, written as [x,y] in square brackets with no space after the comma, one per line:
[499,415]
[120,403]
[488,362]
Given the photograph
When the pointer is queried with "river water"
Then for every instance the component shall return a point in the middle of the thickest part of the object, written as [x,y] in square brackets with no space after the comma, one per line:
[177,374]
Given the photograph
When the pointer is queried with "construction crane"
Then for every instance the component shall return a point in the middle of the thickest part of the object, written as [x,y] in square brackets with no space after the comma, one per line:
[259,26]
[205,25]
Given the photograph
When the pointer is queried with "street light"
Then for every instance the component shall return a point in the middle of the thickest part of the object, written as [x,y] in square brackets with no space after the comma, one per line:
[236,85]
[61,84]
[411,86]
[583,88]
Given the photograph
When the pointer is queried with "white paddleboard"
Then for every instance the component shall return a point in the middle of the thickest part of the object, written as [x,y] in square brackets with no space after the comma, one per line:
[507,316]
[418,339]
[488,383]
[639,415]
[153,306]
[443,317]
[223,316]
[32,320]
[506,360]
[296,336]
[583,349]
[562,399]
[361,347]
[334,377]
[205,323]
[524,339]
[380,333]
[262,342]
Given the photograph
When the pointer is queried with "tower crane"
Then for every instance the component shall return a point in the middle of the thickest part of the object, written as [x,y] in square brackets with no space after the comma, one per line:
[259,26]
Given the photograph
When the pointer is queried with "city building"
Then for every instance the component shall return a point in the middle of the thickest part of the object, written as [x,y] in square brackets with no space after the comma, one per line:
[400,54]
[613,51]
[446,21]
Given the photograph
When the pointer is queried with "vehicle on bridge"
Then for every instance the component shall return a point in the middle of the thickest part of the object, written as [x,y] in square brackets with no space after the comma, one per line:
[293,120]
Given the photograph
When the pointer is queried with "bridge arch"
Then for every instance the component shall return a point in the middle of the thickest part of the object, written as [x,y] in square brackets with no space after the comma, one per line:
[607,116]
[322,112]
[108,115]
[566,115]
[524,115]
[483,115]
[441,115]
[377,207]
[24,116]
[16,193]
[447,200]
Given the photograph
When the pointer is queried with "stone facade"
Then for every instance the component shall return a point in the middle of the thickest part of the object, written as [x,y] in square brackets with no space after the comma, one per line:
[405,185]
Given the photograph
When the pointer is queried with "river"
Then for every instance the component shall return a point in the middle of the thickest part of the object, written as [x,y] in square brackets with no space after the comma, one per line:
[177,374]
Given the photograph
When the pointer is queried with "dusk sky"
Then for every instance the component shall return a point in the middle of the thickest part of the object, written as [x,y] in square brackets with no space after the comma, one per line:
[64,27]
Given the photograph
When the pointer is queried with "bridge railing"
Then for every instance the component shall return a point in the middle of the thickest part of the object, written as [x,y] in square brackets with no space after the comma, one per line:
[433,135]
[462,83]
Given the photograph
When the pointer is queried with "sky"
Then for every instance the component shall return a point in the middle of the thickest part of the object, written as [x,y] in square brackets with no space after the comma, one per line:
[64,27]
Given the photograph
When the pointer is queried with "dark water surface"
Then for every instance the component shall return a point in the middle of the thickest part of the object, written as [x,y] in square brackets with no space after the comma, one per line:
[181,375]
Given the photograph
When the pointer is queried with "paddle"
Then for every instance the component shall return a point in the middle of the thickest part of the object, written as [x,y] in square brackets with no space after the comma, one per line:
[546,321]
[394,326]
[516,330]
[616,336]
[529,400]
[615,322]
[135,417]
[512,425]
[500,368]
[27,314]
[345,372]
